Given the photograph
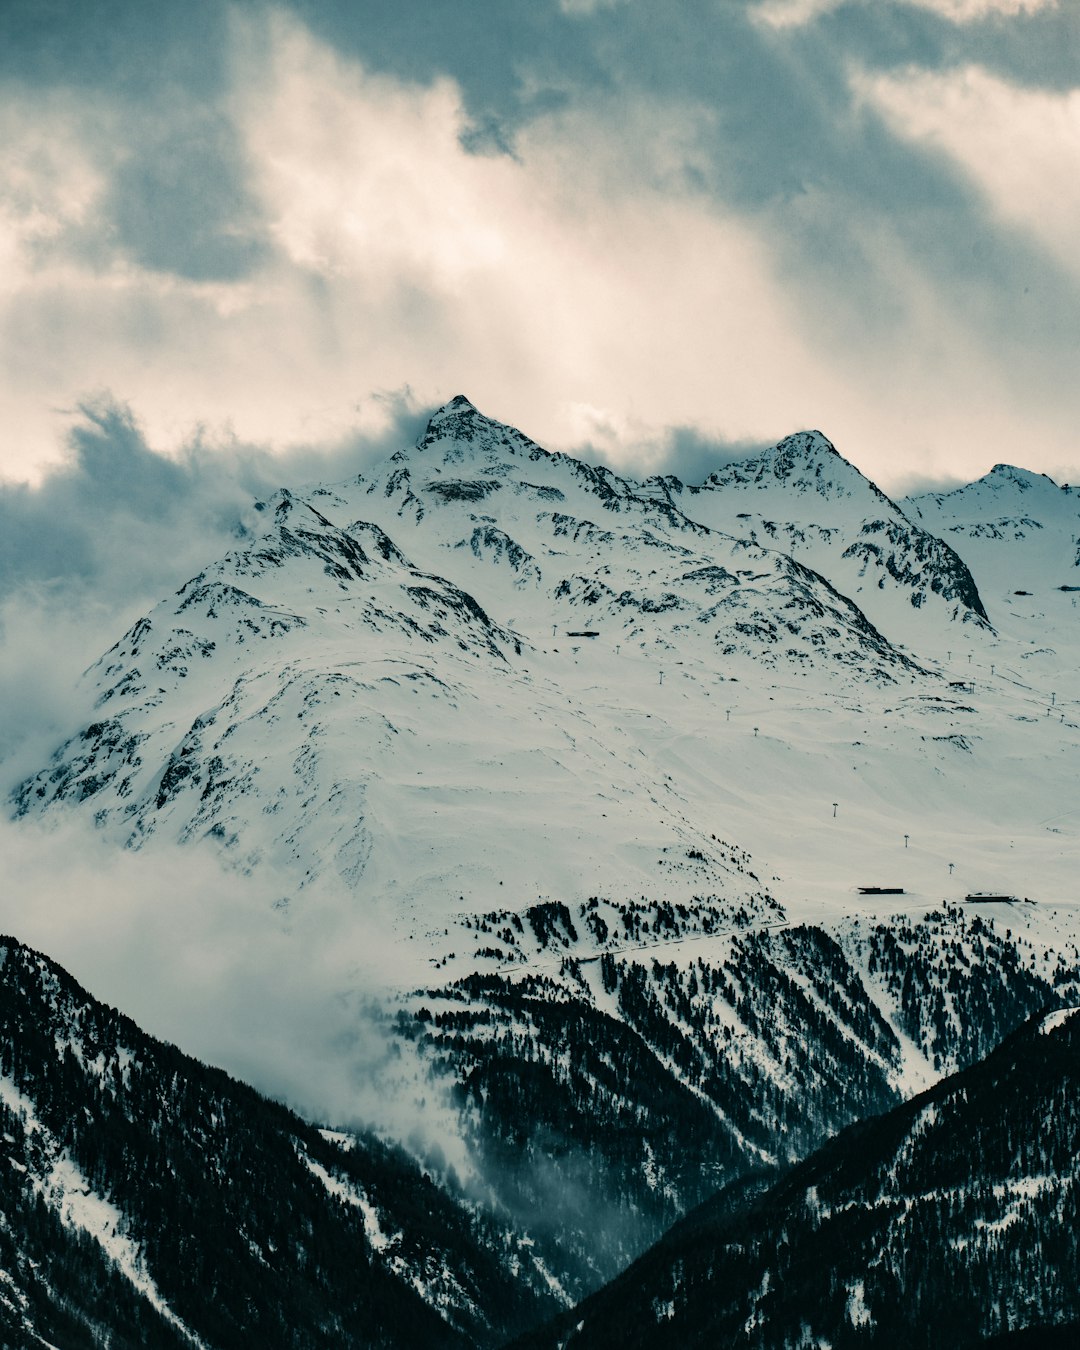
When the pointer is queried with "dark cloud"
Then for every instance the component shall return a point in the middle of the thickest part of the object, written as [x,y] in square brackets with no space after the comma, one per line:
[693,457]
[92,521]
[123,520]
[1039,49]
[513,61]
[180,203]
[117,526]
[136,51]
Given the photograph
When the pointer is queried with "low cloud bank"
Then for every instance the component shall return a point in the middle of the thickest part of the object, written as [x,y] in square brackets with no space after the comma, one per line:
[285,996]
[281,990]
[120,520]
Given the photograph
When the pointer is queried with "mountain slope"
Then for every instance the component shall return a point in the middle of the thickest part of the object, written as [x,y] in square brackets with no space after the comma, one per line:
[151,1201]
[951,1219]
[1020,532]
[803,497]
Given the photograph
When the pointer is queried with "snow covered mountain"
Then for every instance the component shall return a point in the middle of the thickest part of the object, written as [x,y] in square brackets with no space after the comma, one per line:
[331,623]
[481,624]
[294,701]
[1020,532]
[803,497]
[599,767]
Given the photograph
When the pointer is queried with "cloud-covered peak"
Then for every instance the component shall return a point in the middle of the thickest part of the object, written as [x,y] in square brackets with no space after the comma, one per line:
[802,447]
[458,411]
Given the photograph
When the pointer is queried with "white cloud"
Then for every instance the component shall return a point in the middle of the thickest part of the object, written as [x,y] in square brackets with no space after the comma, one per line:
[792,13]
[580,8]
[968,11]
[1019,147]
[585,270]
[279,996]
[50,182]
[795,13]
[593,287]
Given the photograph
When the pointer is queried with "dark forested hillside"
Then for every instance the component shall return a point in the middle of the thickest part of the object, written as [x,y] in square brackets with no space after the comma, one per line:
[948,1221]
[147,1200]
[151,1201]
[604,1100]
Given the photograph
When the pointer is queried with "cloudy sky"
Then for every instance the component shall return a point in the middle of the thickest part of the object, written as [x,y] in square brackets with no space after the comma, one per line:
[654,230]
[248,243]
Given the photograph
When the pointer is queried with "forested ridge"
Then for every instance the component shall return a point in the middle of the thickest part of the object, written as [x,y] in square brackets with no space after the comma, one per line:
[949,1220]
[135,1176]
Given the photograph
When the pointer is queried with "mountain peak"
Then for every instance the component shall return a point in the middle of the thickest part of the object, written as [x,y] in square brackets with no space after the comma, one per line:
[458,420]
[458,404]
[462,434]
[803,452]
[451,421]
[806,444]
[1023,479]
[1005,489]
[806,462]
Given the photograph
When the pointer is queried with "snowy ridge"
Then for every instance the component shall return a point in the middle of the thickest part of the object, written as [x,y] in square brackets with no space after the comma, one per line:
[804,497]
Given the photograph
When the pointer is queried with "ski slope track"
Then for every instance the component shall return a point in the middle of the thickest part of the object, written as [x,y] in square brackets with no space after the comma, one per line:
[600,767]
